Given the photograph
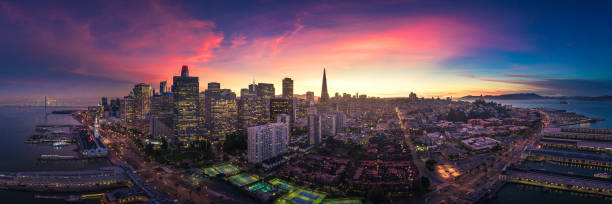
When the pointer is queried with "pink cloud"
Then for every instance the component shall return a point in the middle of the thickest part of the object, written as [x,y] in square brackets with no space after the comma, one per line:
[145,44]
[405,41]
[149,44]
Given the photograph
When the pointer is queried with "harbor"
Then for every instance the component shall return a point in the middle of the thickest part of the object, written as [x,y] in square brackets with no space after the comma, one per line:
[564,167]
[87,141]
[54,134]
[569,163]
[73,169]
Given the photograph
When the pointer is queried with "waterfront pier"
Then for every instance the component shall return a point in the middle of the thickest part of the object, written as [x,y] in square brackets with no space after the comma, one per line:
[604,135]
[65,181]
[569,157]
[577,183]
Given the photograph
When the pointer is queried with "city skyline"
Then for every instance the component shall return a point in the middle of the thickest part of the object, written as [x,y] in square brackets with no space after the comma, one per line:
[385,49]
[296,102]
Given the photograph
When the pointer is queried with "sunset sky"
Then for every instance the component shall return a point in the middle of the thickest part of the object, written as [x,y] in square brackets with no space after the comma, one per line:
[387,48]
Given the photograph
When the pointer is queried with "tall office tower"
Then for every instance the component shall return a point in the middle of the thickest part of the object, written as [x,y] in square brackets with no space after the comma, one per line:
[246,93]
[324,95]
[106,111]
[161,103]
[251,112]
[142,101]
[202,111]
[214,85]
[340,120]
[104,101]
[253,88]
[314,129]
[185,95]
[279,106]
[310,97]
[265,90]
[163,87]
[287,87]
[267,141]
[221,111]
[302,107]
[111,108]
[328,125]
[283,106]
[116,107]
[127,109]
[283,118]
[161,125]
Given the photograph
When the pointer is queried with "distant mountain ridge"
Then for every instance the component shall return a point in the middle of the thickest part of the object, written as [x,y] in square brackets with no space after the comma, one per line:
[531,96]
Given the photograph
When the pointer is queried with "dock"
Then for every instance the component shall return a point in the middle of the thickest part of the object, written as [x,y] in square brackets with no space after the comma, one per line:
[56,157]
[569,182]
[65,181]
[44,134]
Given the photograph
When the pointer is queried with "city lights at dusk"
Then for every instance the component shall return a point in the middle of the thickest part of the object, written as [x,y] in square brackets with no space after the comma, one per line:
[305,102]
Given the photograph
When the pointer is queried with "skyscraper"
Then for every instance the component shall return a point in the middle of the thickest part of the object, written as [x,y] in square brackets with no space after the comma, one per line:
[283,106]
[280,106]
[265,90]
[287,87]
[267,141]
[142,101]
[127,109]
[185,93]
[163,87]
[328,125]
[214,85]
[324,95]
[221,111]
[161,125]
[244,93]
[161,103]
[283,118]
[314,129]
[253,88]
[251,112]
[104,101]
[340,120]
[310,97]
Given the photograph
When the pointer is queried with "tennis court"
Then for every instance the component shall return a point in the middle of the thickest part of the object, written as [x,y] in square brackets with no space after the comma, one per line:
[342,201]
[302,196]
[282,184]
[227,169]
[243,179]
[210,171]
[257,186]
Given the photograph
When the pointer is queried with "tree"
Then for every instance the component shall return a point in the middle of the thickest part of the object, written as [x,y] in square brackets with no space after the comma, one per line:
[149,149]
[425,182]
[376,195]
[235,142]
[164,145]
[430,164]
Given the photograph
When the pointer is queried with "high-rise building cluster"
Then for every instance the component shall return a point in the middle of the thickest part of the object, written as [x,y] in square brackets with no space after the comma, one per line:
[221,111]
[184,115]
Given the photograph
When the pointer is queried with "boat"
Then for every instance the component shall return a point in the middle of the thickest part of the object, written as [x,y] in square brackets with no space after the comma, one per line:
[602,175]
[60,144]
[563,102]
